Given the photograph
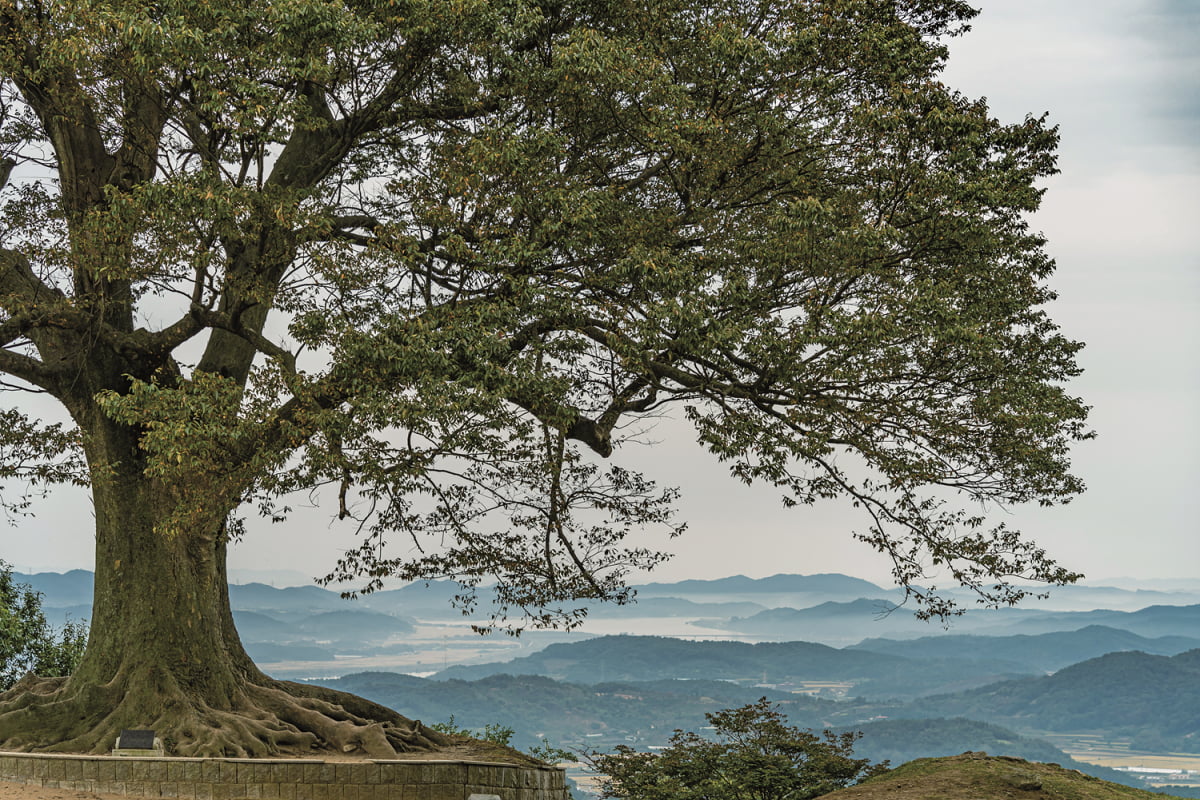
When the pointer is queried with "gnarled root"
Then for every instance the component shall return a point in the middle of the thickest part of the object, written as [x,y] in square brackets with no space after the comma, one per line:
[258,719]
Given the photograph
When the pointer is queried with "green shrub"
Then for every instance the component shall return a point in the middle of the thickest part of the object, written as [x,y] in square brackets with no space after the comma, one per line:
[756,756]
[492,732]
[27,642]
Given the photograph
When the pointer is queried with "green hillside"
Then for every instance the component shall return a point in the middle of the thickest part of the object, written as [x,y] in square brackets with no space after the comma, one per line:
[976,776]
[1152,699]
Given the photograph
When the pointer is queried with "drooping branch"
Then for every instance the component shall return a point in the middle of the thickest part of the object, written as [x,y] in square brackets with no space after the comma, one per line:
[28,369]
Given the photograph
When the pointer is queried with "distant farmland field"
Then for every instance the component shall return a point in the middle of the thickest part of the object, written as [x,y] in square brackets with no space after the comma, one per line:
[1116,753]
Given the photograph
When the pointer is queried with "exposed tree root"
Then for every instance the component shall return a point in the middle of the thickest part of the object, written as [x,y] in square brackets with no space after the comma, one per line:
[259,719]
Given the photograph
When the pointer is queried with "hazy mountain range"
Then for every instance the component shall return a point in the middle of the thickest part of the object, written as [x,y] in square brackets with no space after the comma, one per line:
[1152,699]
[600,715]
[1044,652]
[1123,662]
[290,627]
[648,658]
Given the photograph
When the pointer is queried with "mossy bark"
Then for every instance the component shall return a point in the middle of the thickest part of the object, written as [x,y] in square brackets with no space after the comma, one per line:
[164,653]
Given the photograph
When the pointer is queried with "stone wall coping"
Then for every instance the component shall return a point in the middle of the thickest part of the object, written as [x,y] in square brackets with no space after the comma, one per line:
[179,759]
[185,759]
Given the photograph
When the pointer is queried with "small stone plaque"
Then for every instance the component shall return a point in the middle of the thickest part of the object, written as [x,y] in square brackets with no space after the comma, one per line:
[484,797]
[136,740]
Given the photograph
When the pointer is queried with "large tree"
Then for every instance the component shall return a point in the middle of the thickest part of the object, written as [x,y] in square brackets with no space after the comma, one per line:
[434,260]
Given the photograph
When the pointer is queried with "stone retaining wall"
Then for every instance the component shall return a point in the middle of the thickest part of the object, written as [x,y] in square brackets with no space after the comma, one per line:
[284,779]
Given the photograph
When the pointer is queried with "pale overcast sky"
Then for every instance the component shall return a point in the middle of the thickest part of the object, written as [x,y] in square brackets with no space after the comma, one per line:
[1122,79]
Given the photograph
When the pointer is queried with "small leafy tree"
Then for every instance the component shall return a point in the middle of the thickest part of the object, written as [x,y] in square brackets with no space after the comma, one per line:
[27,642]
[757,756]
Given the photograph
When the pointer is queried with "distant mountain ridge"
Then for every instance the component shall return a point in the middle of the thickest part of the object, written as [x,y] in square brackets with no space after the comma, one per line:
[644,658]
[1045,652]
[829,583]
[844,623]
[736,606]
[308,599]
[61,589]
[1155,620]
[655,657]
[833,622]
[1149,697]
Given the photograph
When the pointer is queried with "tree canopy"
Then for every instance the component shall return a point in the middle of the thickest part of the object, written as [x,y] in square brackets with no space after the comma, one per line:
[439,259]
[753,755]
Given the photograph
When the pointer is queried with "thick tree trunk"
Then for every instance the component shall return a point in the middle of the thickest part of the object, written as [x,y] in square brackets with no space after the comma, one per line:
[164,653]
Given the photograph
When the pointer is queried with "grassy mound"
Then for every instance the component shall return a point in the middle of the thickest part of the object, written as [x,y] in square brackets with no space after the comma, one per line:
[979,776]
